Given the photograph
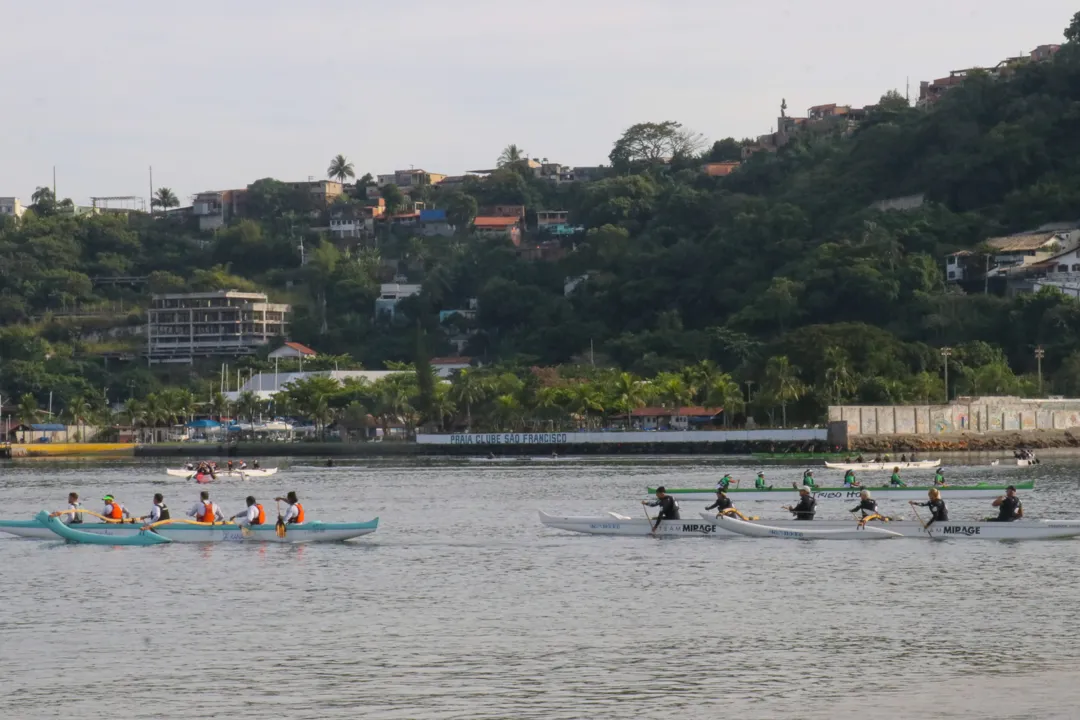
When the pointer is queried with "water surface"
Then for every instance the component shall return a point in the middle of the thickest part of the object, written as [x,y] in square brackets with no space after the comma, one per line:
[463,606]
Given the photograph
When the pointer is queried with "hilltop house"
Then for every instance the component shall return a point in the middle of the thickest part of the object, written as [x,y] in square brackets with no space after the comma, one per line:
[293,350]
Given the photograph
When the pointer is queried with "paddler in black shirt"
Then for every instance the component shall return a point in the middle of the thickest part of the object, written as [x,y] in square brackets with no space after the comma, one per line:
[807,505]
[867,504]
[723,502]
[1009,506]
[669,509]
[938,511]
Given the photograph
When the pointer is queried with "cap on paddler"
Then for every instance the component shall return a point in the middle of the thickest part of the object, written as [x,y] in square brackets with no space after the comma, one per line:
[107,498]
[804,489]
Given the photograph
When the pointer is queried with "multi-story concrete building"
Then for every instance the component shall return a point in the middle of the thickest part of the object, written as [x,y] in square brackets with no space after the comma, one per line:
[215,208]
[182,326]
[409,179]
[11,206]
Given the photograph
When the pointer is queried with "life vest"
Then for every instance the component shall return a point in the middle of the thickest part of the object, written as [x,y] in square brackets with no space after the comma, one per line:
[76,518]
[164,512]
[299,514]
[115,511]
[207,514]
[261,519]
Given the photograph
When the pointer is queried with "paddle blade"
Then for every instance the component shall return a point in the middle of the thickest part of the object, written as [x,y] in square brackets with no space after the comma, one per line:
[280,529]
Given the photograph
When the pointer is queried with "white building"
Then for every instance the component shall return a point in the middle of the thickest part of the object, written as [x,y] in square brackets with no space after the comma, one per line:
[12,207]
[183,326]
[265,385]
[293,350]
[447,366]
[391,294]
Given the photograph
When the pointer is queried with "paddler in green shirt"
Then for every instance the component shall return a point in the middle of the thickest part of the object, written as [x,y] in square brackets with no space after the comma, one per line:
[724,483]
[849,479]
[895,480]
[759,483]
[807,481]
[939,477]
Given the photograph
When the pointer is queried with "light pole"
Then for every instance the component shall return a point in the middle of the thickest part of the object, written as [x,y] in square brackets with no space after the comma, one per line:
[945,353]
[1039,355]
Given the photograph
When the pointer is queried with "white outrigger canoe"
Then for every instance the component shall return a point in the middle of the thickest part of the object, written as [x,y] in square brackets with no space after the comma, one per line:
[883,466]
[614,524]
[182,532]
[250,472]
[885,492]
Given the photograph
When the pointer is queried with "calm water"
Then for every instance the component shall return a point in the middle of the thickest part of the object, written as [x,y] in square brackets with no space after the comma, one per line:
[464,606]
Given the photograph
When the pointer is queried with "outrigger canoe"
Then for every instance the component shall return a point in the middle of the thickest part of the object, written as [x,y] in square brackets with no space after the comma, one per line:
[183,532]
[58,529]
[251,473]
[885,492]
[883,466]
[707,526]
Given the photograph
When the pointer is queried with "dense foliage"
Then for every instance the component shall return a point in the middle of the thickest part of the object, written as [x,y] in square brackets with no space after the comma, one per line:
[779,276]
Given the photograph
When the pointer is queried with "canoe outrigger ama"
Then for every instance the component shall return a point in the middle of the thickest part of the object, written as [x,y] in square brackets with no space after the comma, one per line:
[950,492]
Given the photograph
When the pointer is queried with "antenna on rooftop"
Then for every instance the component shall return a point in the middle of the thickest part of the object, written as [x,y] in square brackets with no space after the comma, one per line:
[907,89]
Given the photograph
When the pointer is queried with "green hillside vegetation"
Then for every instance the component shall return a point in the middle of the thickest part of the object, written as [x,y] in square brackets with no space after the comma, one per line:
[778,276]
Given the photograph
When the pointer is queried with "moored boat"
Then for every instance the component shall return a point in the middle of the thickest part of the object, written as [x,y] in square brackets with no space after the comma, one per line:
[884,466]
[885,492]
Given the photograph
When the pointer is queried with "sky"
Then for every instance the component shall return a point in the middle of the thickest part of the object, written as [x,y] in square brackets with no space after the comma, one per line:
[214,95]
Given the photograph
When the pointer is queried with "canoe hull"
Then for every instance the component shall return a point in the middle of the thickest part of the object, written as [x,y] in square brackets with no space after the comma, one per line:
[185,533]
[789,494]
[883,466]
[805,531]
[189,474]
[621,526]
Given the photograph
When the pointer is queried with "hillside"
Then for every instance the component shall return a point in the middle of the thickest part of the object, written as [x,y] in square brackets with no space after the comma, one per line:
[780,273]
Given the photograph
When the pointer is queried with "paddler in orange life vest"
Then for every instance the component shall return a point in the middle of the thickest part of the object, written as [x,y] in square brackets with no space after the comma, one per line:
[113,510]
[294,513]
[254,515]
[205,510]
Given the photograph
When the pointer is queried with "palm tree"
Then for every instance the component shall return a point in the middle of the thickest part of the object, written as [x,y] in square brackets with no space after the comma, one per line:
[219,406]
[511,155]
[340,168]
[782,383]
[672,390]
[724,392]
[79,411]
[507,412]
[838,378]
[135,412]
[164,198]
[248,405]
[441,406]
[469,389]
[28,411]
[586,399]
[628,395]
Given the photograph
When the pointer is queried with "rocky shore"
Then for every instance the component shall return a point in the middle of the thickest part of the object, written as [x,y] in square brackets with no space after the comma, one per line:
[970,442]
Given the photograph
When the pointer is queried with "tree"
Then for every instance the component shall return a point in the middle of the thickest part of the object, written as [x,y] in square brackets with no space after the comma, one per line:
[461,209]
[650,143]
[782,383]
[469,389]
[627,394]
[726,150]
[219,406]
[722,391]
[340,169]
[511,155]
[1072,33]
[248,405]
[28,411]
[394,198]
[44,201]
[164,198]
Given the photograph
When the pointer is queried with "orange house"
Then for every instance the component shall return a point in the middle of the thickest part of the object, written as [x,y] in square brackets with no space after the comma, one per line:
[720,169]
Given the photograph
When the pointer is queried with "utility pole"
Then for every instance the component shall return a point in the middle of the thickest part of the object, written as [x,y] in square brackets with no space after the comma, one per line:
[1039,355]
[748,383]
[151,191]
[945,353]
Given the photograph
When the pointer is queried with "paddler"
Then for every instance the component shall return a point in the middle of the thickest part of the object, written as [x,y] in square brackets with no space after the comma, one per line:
[867,505]
[114,510]
[159,511]
[253,515]
[725,483]
[72,516]
[242,465]
[255,465]
[939,477]
[895,480]
[807,505]
[723,502]
[205,510]
[938,510]
[759,483]
[294,513]
[669,509]
[807,480]
[1009,506]
[849,479]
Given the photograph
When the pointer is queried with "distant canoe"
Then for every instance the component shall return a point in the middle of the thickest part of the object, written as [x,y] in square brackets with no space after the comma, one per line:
[234,473]
[884,466]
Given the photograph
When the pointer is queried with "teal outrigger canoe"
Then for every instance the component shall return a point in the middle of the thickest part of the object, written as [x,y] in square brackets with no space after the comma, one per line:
[141,537]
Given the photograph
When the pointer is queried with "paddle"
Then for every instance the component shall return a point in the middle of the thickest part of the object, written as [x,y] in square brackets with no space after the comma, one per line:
[646,511]
[91,512]
[184,521]
[921,523]
[280,527]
